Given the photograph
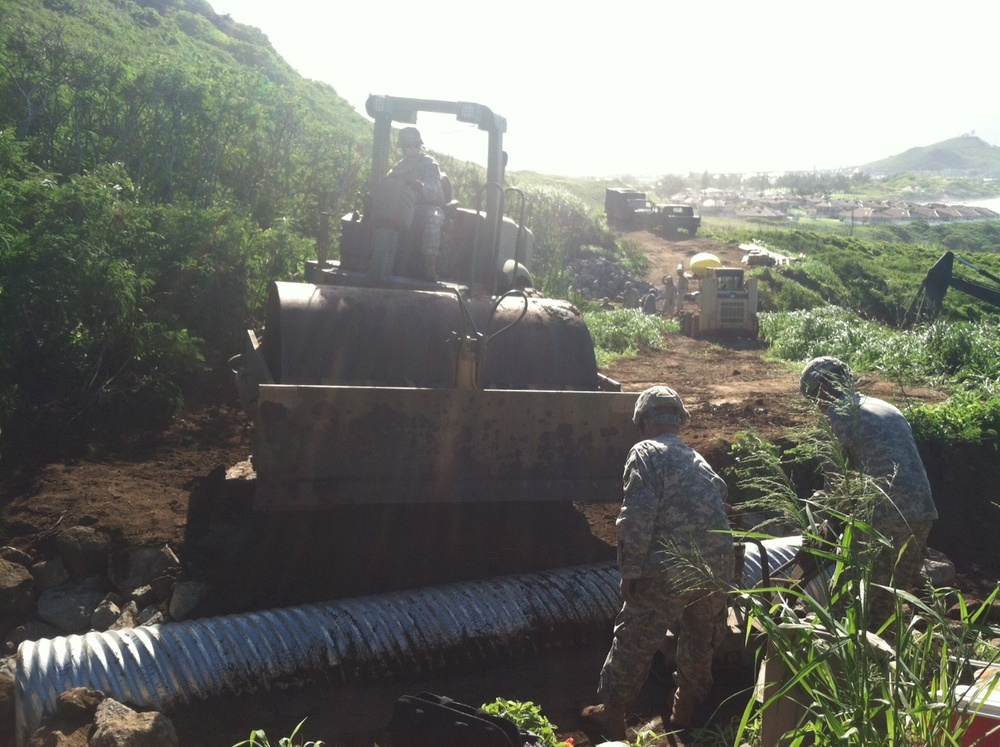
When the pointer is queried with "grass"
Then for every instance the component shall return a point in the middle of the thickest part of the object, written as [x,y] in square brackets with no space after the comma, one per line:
[623,333]
[900,689]
[962,358]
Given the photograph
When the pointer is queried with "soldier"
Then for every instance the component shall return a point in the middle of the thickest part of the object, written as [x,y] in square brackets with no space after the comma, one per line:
[877,441]
[423,174]
[606,304]
[649,302]
[682,286]
[630,296]
[675,556]
[669,297]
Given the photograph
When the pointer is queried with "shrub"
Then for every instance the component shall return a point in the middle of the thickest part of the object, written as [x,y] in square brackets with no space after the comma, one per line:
[625,332]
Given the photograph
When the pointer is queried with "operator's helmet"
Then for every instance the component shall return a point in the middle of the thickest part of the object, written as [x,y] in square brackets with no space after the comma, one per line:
[660,404]
[824,369]
[680,269]
[409,136]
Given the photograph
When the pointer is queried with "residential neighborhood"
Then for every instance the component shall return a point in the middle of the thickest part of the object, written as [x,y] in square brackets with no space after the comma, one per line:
[773,206]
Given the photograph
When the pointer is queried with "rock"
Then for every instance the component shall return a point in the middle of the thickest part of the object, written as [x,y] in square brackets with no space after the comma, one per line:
[144,596]
[142,566]
[150,615]
[33,630]
[105,615]
[79,703]
[127,619]
[14,555]
[70,606]
[938,568]
[17,593]
[72,722]
[117,725]
[84,550]
[186,597]
[49,573]
[7,716]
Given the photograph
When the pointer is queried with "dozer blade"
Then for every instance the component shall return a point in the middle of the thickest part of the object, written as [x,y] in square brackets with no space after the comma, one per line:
[324,445]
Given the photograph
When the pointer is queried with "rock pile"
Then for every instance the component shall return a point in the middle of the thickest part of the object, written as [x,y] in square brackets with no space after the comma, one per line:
[89,718]
[595,278]
[85,586]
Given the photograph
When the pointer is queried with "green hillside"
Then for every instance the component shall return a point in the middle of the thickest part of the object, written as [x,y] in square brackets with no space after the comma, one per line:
[967,153]
[160,165]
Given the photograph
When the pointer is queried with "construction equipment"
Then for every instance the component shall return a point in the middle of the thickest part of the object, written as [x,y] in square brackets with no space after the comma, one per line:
[630,209]
[676,218]
[930,296]
[727,302]
[373,386]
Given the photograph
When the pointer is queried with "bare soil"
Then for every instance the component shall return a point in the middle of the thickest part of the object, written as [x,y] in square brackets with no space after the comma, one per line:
[168,486]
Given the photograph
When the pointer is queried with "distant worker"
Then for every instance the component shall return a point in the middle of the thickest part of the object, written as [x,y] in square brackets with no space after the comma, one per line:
[423,175]
[669,297]
[630,296]
[649,302]
[672,521]
[682,287]
[878,441]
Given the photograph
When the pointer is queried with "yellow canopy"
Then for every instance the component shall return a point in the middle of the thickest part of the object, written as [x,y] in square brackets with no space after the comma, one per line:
[703,262]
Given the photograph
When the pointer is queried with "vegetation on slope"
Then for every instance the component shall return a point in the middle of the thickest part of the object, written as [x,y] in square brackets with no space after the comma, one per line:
[966,153]
[160,164]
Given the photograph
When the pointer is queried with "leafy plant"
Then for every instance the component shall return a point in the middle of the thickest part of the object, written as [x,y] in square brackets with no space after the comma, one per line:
[258,738]
[528,717]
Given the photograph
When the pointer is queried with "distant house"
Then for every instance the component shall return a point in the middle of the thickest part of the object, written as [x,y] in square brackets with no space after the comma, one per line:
[858,215]
[760,212]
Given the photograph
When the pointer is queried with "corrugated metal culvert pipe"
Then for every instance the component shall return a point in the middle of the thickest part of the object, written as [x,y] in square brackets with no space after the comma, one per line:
[423,630]
[377,637]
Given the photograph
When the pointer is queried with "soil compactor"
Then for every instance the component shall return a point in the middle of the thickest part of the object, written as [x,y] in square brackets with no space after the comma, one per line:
[468,402]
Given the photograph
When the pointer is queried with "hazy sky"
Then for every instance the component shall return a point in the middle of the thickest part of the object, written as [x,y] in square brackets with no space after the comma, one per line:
[647,87]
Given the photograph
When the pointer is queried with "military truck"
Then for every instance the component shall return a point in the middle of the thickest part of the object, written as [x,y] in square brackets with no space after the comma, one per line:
[630,209]
[676,218]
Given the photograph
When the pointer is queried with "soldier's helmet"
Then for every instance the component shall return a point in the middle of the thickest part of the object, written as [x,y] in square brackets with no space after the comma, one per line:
[825,369]
[662,405]
[409,136]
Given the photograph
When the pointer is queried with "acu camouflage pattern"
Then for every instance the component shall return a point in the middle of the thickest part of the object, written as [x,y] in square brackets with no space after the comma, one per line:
[673,501]
[428,212]
[697,618]
[890,568]
[674,542]
[878,441]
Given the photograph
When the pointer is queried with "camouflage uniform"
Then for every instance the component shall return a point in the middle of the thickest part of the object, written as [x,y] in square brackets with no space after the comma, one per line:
[878,442]
[670,297]
[672,508]
[424,173]
[630,297]
[682,289]
[649,303]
